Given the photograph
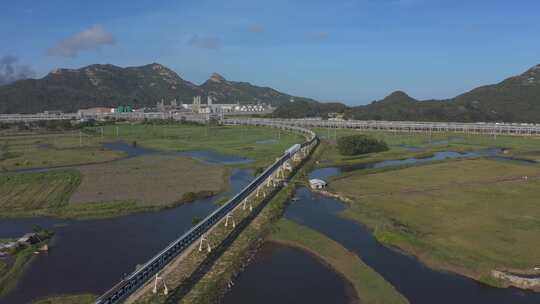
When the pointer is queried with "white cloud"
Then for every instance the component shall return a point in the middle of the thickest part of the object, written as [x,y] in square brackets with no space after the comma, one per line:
[89,39]
[209,42]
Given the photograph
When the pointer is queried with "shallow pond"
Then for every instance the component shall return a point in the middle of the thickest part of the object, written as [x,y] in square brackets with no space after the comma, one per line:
[437,156]
[282,274]
[494,154]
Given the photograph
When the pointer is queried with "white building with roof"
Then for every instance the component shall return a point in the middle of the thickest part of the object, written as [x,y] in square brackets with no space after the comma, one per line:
[317,183]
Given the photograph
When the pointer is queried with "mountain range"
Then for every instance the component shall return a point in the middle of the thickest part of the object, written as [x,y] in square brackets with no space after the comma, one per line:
[107,85]
[516,99]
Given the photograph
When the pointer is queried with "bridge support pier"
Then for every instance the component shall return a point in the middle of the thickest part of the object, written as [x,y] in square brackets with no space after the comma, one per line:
[158,278]
[203,239]
[229,215]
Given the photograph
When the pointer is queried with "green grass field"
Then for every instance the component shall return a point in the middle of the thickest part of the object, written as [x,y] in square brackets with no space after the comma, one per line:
[31,150]
[426,145]
[241,141]
[370,287]
[468,216]
[49,193]
[523,143]
[34,193]
[52,149]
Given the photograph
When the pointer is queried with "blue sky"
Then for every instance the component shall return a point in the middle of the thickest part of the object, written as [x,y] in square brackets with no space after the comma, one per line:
[352,51]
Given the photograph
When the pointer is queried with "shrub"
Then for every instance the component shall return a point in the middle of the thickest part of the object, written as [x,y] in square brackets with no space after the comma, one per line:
[360,144]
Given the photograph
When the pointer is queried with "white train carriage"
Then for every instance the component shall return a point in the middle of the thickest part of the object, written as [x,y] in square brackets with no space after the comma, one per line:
[293,149]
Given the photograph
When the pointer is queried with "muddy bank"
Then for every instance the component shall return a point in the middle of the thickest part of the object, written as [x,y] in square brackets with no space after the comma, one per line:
[517,280]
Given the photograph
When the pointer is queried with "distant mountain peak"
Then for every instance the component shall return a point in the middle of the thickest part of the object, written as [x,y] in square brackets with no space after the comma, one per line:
[157,66]
[217,78]
[534,70]
[397,96]
[530,77]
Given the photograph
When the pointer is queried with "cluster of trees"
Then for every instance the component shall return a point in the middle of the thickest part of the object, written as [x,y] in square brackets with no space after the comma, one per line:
[360,144]
[307,108]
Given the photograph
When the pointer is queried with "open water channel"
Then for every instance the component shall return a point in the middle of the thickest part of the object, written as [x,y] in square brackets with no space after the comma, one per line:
[418,283]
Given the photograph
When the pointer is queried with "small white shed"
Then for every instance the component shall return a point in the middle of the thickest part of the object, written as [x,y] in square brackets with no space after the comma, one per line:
[317,183]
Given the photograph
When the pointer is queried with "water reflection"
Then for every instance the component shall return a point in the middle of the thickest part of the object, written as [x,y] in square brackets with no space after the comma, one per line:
[282,274]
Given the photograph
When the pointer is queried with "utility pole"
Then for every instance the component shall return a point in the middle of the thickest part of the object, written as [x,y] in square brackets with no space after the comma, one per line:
[80,138]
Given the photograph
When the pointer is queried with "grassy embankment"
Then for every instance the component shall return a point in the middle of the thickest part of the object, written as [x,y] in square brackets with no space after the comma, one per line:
[370,287]
[468,216]
[36,150]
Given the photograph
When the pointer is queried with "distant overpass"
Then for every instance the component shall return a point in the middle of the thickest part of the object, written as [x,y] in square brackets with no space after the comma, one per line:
[516,129]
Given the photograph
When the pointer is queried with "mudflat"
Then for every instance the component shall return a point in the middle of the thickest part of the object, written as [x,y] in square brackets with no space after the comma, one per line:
[151,180]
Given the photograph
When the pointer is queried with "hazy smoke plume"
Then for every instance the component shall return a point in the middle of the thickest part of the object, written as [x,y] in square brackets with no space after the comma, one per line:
[10,71]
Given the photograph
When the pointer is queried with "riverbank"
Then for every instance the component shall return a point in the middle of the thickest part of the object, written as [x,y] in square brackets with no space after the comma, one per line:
[17,260]
[468,217]
[370,287]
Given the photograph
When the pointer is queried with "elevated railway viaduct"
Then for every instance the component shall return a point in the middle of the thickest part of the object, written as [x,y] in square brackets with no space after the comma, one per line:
[131,283]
